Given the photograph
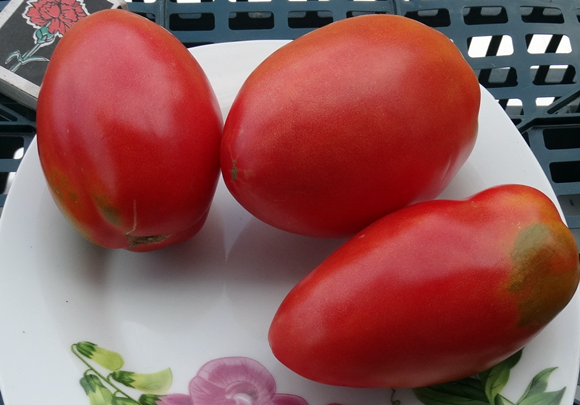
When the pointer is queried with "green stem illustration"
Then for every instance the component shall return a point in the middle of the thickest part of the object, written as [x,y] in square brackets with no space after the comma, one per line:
[109,388]
[91,369]
[43,37]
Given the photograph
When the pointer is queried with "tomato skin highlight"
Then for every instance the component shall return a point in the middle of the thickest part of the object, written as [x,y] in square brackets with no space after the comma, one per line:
[435,292]
[128,133]
[348,123]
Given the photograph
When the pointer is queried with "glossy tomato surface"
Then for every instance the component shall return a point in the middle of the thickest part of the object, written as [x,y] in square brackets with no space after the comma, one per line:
[128,133]
[435,292]
[348,123]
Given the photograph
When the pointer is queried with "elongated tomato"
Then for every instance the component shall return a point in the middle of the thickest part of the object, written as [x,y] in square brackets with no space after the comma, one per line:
[435,292]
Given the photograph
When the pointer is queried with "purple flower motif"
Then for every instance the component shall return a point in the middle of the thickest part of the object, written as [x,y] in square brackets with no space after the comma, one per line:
[237,381]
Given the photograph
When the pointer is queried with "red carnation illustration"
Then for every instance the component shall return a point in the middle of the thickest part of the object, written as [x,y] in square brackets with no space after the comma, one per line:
[52,19]
[57,15]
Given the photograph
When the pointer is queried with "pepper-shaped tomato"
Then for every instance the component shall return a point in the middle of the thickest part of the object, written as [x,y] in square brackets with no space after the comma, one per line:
[435,292]
[128,133]
[348,123]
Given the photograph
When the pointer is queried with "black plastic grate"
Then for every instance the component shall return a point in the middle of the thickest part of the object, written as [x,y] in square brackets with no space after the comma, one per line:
[206,22]
[17,129]
[556,144]
[525,53]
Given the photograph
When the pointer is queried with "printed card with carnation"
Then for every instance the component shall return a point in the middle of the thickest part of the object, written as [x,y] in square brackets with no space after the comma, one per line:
[29,31]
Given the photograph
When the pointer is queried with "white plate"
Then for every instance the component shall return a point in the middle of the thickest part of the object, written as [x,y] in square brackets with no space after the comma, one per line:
[213,296]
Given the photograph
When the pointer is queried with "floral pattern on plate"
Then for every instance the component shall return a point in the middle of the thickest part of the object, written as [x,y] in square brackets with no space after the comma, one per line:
[245,381]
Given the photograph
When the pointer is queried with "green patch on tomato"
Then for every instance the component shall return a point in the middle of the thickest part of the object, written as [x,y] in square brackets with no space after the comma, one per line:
[107,210]
[234,171]
[536,255]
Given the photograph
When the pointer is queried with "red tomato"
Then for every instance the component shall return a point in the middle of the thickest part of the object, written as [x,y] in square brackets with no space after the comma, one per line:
[348,123]
[128,133]
[435,292]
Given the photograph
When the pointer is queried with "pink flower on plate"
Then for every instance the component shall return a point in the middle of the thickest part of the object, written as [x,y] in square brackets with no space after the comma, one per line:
[57,15]
[237,381]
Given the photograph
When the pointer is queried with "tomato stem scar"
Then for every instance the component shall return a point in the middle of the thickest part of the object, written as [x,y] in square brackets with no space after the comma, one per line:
[145,240]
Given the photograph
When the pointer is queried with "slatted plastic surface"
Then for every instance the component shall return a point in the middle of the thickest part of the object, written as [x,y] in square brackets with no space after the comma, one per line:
[17,128]
[205,22]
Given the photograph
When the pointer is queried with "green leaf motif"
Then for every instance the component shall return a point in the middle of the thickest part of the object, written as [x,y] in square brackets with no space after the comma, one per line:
[536,394]
[98,394]
[496,378]
[123,377]
[86,348]
[106,358]
[486,388]
[154,383]
[149,399]
[538,385]
[468,391]
[544,398]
